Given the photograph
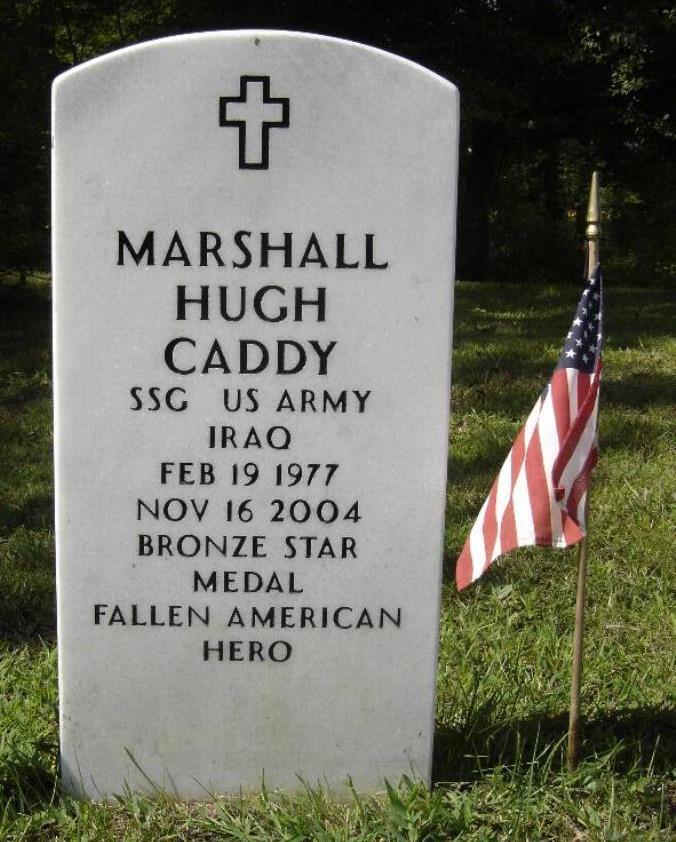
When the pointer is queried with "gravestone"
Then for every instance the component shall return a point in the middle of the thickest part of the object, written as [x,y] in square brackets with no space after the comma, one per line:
[253,263]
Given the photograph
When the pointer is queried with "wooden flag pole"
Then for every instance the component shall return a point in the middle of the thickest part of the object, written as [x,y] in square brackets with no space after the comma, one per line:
[592,236]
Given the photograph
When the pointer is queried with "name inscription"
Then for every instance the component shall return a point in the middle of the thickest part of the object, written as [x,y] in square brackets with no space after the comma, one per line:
[296,521]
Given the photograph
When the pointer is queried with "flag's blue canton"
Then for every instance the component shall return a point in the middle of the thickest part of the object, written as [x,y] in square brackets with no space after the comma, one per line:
[583,342]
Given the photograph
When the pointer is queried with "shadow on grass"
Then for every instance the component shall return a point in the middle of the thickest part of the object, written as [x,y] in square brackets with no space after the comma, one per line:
[636,433]
[467,474]
[643,738]
[30,626]
[37,512]
[27,586]
[483,309]
[25,321]
[35,625]
[29,782]
[639,391]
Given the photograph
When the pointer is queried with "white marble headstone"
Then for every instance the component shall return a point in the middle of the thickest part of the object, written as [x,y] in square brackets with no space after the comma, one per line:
[253,262]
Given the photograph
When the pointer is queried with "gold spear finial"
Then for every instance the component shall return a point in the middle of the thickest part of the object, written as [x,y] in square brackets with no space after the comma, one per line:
[593,214]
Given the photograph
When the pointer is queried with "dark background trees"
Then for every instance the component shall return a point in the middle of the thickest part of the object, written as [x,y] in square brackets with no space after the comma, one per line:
[550,89]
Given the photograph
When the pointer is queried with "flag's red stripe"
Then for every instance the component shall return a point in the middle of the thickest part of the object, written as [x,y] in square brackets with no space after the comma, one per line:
[560,401]
[463,568]
[508,537]
[571,531]
[582,388]
[538,493]
[579,485]
[570,442]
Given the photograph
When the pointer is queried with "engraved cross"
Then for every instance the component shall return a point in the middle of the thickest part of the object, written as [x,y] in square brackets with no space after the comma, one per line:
[254,112]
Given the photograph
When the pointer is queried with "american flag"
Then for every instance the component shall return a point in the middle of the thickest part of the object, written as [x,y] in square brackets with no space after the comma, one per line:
[539,495]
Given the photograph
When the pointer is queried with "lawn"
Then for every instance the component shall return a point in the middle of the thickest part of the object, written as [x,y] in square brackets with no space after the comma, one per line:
[504,668]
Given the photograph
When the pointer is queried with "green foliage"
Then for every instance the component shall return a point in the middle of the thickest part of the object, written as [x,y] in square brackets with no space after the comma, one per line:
[504,671]
[550,91]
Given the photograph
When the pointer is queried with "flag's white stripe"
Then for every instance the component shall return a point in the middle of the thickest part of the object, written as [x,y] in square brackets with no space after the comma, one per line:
[581,511]
[531,424]
[502,498]
[579,455]
[571,377]
[549,446]
[476,543]
[523,514]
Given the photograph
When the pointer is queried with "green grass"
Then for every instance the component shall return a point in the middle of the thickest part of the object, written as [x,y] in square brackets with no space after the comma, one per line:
[504,669]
